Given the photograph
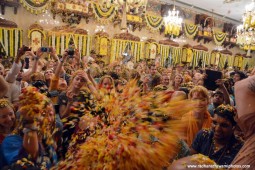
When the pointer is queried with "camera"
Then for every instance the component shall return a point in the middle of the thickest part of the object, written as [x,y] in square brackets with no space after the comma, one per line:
[70,51]
[45,49]
[26,48]
[26,63]
[52,94]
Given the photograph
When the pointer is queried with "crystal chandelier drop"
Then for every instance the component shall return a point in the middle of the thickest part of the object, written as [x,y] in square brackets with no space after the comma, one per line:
[47,19]
[173,17]
[173,22]
[246,31]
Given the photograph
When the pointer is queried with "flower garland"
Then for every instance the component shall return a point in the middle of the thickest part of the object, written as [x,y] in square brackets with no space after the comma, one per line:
[172,29]
[61,41]
[35,7]
[36,107]
[238,61]
[176,52]
[187,55]
[118,47]
[154,23]
[219,37]
[9,38]
[222,61]
[135,125]
[190,30]
[103,15]
[164,50]
[200,55]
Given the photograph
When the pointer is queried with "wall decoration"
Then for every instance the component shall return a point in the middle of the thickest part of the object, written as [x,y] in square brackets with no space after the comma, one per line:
[230,30]
[11,37]
[221,58]
[206,24]
[226,59]
[36,36]
[219,37]
[130,13]
[187,54]
[59,38]
[35,6]
[102,43]
[118,48]
[71,11]
[102,13]
[200,56]
[133,7]
[151,49]
[135,21]
[238,60]
[170,52]
[215,58]
[119,45]
[190,30]
[154,23]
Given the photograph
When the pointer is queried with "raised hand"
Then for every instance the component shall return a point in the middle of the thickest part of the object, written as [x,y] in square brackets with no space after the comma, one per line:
[30,53]
[39,52]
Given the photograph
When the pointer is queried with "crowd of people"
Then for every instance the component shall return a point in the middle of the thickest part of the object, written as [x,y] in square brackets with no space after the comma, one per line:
[51,107]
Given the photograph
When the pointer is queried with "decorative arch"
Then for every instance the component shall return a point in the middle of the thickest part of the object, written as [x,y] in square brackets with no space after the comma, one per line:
[151,49]
[102,44]
[187,54]
[36,35]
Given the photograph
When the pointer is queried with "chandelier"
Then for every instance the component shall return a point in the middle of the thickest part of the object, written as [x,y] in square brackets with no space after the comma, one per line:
[246,31]
[173,22]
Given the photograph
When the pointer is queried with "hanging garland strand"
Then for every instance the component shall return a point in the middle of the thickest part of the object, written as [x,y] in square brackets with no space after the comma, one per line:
[219,37]
[103,14]
[35,7]
[154,23]
[190,30]
[11,39]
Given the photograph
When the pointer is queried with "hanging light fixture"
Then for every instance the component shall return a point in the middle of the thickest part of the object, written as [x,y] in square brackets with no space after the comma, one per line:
[246,31]
[46,19]
[173,22]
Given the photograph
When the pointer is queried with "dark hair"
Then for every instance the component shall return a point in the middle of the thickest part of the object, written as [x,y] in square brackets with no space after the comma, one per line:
[152,65]
[184,89]
[217,92]
[114,75]
[241,74]
[226,111]
[38,83]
